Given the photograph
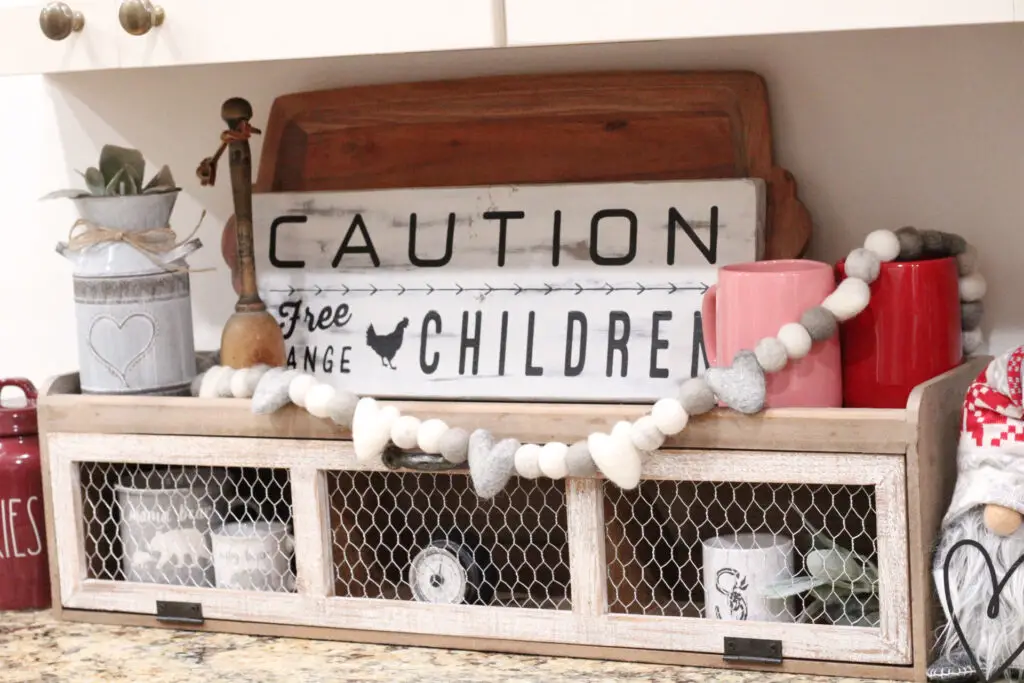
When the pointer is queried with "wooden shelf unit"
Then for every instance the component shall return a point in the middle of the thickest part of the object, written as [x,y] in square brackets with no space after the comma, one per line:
[907,456]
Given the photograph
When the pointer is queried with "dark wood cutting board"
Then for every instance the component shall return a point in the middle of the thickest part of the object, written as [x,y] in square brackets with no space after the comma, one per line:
[566,128]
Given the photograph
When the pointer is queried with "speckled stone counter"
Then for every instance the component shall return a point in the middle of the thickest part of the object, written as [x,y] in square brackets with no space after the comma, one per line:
[35,647]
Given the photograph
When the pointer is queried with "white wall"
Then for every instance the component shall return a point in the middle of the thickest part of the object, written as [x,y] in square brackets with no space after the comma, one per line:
[881,129]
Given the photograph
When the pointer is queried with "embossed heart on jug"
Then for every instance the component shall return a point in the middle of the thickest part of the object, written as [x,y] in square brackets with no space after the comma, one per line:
[124,343]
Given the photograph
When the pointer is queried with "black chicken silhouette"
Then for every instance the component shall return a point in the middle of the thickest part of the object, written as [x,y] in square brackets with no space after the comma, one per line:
[387,345]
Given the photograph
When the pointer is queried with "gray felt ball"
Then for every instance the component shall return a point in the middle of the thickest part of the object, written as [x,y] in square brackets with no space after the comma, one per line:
[820,323]
[911,243]
[967,262]
[863,264]
[696,396]
[954,245]
[771,354]
[972,341]
[741,386]
[578,460]
[454,445]
[934,244]
[342,407]
[970,314]
[490,464]
[272,391]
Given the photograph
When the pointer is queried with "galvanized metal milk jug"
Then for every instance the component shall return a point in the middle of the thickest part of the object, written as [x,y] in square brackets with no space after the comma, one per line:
[132,304]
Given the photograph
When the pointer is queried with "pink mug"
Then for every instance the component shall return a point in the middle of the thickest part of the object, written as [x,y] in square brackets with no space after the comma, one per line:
[752,301]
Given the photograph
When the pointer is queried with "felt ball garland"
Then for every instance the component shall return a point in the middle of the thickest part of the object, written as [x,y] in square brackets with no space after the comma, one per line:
[618,454]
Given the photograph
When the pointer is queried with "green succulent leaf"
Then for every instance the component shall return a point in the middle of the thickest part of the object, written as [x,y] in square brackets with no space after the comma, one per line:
[163,178]
[115,160]
[94,180]
[794,586]
[113,184]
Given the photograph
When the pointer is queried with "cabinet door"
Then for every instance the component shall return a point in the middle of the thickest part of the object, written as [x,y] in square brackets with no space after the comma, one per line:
[206,31]
[531,22]
[25,49]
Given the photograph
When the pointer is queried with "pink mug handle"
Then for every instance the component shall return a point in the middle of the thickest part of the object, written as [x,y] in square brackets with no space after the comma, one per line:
[709,323]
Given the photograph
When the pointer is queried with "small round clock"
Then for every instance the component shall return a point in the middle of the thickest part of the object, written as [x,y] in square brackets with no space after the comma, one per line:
[451,569]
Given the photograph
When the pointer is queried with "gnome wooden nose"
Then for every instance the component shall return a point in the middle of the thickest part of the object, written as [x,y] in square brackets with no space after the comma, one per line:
[1000,520]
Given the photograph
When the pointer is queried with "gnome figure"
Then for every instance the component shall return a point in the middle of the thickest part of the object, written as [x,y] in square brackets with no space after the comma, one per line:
[986,508]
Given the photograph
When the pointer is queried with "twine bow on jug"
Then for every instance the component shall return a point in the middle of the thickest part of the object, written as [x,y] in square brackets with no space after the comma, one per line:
[154,243]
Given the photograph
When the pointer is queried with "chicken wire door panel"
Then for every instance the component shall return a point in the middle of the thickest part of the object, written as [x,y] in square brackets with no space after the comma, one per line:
[808,549]
[567,292]
[202,527]
[576,561]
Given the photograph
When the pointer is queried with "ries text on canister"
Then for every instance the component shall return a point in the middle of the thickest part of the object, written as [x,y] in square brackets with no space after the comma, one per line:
[24,573]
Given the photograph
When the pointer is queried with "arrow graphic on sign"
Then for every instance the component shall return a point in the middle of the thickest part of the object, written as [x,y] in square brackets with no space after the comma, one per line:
[486,289]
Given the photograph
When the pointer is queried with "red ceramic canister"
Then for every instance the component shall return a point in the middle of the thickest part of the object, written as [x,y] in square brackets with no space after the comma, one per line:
[24,574]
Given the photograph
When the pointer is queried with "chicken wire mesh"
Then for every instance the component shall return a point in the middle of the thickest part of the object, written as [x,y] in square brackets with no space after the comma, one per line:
[758,552]
[429,538]
[189,526]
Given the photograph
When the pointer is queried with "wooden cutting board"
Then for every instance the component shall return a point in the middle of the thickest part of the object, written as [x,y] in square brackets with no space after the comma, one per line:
[566,128]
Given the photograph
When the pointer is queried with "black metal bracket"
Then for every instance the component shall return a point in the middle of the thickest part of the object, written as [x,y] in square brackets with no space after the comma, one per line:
[179,612]
[752,650]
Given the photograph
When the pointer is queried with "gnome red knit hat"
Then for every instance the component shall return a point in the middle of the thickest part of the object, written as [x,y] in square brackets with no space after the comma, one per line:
[990,456]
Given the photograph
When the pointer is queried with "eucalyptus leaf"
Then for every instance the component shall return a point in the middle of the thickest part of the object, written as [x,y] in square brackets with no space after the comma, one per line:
[114,160]
[835,565]
[163,178]
[794,586]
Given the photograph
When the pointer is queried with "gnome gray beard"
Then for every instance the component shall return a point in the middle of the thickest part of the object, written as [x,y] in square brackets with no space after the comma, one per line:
[992,640]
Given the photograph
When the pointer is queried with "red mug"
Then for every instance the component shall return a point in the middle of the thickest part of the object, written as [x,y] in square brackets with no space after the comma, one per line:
[908,334]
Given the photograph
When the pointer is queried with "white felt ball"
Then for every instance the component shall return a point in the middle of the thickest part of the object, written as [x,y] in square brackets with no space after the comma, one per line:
[224,382]
[405,431]
[771,354]
[973,287]
[429,436]
[669,416]
[863,264]
[645,434]
[299,387]
[884,243]
[238,383]
[208,387]
[528,461]
[552,460]
[850,298]
[318,399]
[972,341]
[246,386]
[796,339]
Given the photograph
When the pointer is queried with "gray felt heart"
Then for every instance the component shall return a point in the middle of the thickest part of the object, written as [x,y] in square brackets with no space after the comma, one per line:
[490,464]
[741,386]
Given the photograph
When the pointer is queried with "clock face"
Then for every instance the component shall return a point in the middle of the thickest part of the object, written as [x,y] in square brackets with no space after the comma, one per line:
[437,575]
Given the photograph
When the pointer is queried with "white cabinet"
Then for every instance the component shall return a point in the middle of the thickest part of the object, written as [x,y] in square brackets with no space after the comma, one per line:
[25,49]
[533,22]
[208,31]
[216,31]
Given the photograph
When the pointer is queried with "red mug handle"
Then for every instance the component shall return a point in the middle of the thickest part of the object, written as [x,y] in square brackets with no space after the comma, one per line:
[709,323]
[25,385]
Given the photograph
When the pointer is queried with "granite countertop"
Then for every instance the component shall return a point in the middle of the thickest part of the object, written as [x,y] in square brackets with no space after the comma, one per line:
[35,647]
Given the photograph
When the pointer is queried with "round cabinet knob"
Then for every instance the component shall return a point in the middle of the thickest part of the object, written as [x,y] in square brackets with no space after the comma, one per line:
[58,21]
[137,17]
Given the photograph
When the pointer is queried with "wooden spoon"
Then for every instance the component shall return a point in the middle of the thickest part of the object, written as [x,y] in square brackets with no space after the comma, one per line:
[251,335]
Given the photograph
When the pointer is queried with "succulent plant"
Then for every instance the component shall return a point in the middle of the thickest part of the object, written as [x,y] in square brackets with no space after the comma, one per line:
[120,174]
[842,585]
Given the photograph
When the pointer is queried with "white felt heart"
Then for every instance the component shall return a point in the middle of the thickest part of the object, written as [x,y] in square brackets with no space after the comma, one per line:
[371,428]
[616,457]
